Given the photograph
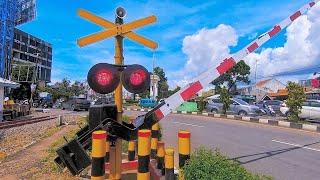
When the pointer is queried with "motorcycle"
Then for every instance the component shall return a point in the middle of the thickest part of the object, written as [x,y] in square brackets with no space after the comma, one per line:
[268,110]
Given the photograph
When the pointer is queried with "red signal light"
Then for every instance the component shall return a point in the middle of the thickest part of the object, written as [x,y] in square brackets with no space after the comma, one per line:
[135,79]
[103,78]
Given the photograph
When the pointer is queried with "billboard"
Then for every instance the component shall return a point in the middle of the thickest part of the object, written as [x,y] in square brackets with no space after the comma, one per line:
[26,11]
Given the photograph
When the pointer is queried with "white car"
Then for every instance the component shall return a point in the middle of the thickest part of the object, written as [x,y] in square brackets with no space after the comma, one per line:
[310,110]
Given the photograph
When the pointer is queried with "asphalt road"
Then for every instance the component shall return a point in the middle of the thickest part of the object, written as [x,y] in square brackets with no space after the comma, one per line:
[278,152]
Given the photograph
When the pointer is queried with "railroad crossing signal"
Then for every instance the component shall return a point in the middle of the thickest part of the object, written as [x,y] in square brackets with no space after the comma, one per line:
[103,79]
[113,29]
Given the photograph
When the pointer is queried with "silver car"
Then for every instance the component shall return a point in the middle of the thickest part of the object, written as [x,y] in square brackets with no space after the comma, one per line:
[310,110]
[237,106]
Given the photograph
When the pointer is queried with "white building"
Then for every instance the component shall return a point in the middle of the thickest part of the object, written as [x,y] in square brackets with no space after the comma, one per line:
[154,86]
[262,88]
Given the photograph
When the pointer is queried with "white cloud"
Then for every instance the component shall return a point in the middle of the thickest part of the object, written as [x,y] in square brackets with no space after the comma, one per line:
[208,47]
[300,50]
[204,49]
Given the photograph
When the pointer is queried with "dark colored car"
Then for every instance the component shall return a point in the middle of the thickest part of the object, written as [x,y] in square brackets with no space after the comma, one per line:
[104,100]
[74,104]
[275,104]
[42,103]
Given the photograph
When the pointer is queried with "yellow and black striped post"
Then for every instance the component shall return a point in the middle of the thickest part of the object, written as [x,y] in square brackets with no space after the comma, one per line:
[107,150]
[98,154]
[154,140]
[131,147]
[169,164]
[131,150]
[160,156]
[184,147]
[143,154]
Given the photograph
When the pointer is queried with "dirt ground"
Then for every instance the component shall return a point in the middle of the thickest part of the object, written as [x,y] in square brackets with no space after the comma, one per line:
[28,163]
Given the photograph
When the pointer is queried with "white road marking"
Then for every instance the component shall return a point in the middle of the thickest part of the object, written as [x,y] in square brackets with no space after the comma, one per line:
[296,145]
[187,124]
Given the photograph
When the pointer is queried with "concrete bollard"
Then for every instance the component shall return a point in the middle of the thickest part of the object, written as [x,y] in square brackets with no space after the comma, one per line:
[143,154]
[154,140]
[169,164]
[184,147]
[160,157]
[98,155]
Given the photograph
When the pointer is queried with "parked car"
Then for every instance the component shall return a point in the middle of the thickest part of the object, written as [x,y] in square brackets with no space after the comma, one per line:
[237,106]
[275,104]
[147,103]
[310,110]
[75,103]
[104,100]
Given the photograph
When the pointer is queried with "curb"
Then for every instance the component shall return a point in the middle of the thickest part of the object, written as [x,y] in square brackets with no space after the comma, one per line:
[292,125]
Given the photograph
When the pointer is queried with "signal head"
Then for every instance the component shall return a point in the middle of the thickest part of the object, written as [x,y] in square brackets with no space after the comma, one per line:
[103,78]
[120,12]
[135,79]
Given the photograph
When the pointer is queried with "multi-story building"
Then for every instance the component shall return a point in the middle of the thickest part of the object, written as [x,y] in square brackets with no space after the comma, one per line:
[32,58]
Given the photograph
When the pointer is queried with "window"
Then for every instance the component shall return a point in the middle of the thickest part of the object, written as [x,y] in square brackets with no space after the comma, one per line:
[277,103]
[16,46]
[234,102]
[315,104]
[216,100]
[239,101]
[305,104]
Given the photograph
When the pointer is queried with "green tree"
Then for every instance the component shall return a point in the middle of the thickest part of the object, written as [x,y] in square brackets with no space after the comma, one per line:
[296,97]
[225,99]
[64,89]
[162,84]
[171,92]
[239,73]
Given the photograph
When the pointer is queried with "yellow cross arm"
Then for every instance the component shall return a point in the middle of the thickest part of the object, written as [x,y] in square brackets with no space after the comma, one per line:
[95,19]
[138,23]
[97,37]
[142,40]
[124,30]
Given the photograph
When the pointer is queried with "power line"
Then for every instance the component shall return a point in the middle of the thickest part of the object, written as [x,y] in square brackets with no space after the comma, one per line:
[291,72]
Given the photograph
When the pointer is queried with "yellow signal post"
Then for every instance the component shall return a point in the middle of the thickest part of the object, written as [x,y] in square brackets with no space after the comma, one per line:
[119,31]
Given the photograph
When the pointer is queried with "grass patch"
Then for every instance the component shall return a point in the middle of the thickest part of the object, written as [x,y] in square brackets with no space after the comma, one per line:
[206,164]
[48,161]
[124,146]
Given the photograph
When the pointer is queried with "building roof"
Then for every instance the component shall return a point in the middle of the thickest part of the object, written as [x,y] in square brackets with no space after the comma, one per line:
[281,92]
[262,83]
[8,83]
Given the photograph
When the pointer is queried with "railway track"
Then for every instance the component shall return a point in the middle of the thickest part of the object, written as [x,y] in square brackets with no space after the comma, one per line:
[16,123]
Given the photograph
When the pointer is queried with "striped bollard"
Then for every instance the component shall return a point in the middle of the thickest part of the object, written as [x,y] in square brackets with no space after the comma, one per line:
[131,150]
[143,154]
[154,140]
[169,164]
[184,147]
[98,155]
[107,150]
[160,156]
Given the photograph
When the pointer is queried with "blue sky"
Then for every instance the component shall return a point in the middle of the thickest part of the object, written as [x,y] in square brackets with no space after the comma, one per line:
[58,24]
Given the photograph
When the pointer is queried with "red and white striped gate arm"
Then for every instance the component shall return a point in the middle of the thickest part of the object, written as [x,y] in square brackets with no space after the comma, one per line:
[207,77]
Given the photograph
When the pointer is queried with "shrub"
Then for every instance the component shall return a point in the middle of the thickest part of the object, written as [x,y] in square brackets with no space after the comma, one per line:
[296,97]
[206,164]
[225,98]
